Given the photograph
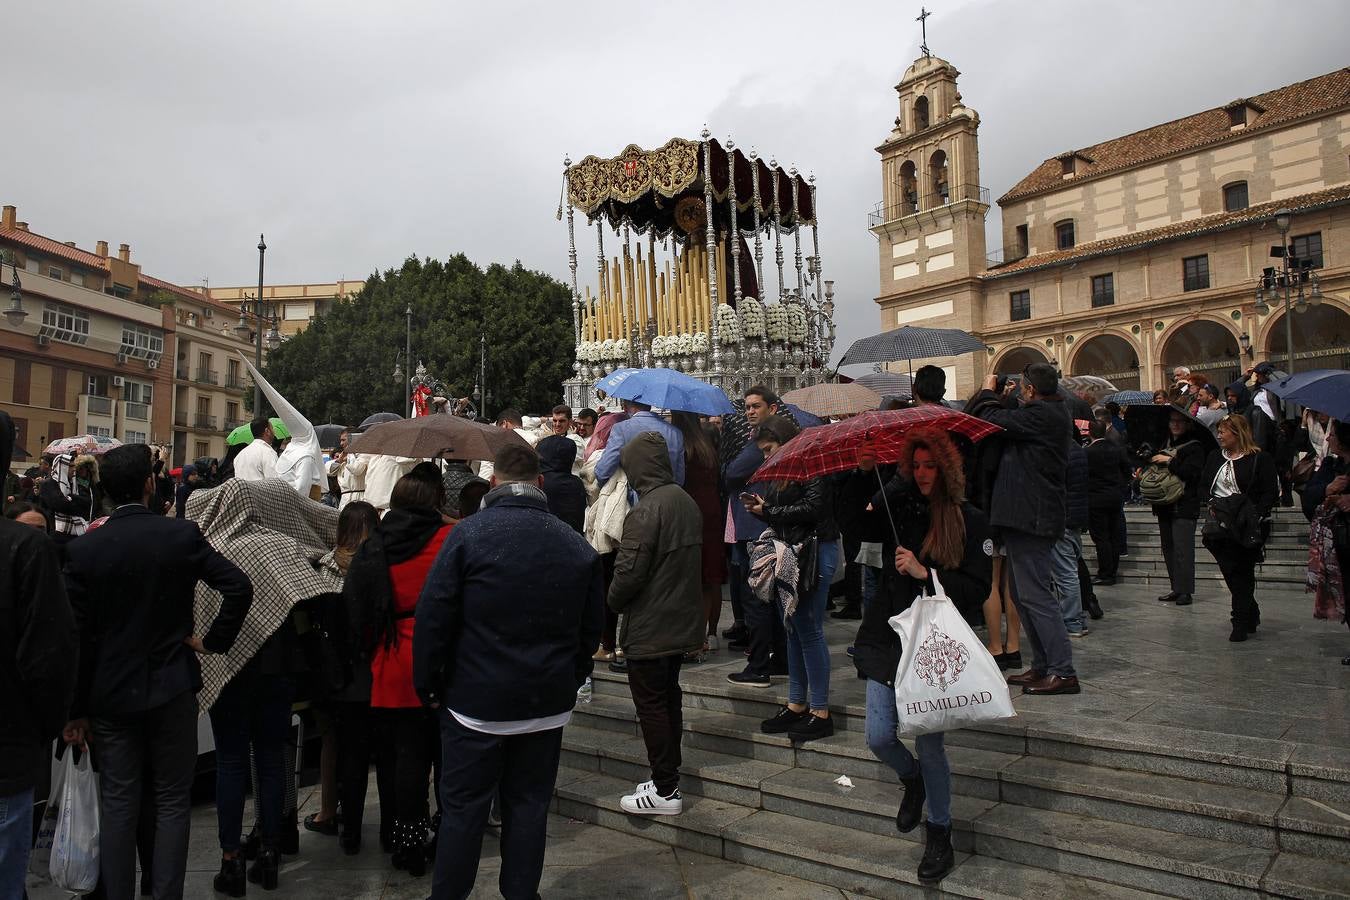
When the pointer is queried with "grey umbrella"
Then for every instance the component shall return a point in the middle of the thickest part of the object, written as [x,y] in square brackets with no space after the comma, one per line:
[911,342]
[887,384]
[377,418]
[328,434]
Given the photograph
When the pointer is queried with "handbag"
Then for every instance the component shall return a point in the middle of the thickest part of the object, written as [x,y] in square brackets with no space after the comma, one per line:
[1159,485]
[946,678]
[1302,471]
[1233,518]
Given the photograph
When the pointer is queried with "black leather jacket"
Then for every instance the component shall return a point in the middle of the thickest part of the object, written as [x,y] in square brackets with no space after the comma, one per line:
[798,510]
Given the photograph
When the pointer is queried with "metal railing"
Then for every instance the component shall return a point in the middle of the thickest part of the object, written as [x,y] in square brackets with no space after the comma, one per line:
[1004,255]
[138,411]
[234,382]
[181,372]
[207,423]
[909,203]
[208,376]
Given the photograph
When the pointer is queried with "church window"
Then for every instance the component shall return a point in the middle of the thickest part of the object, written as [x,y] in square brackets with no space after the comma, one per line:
[1023,241]
[1019,306]
[920,113]
[1195,273]
[1064,235]
[1235,196]
[937,168]
[1103,290]
[909,189]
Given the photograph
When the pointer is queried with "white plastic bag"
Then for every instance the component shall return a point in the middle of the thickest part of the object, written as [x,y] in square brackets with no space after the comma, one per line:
[39,861]
[946,679]
[74,854]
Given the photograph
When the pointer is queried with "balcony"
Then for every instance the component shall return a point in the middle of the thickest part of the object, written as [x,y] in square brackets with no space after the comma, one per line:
[98,406]
[908,204]
[204,423]
[138,411]
[234,382]
[207,376]
[181,372]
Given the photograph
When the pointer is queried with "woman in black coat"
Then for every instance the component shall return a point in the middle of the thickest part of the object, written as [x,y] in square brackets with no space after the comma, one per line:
[941,534]
[565,492]
[1184,456]
[1238,467]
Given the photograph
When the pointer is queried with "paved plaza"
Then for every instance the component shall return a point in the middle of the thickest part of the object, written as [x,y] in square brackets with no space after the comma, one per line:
[1153,674]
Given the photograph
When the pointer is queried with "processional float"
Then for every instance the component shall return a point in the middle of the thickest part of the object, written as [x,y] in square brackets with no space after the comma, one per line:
[695,301]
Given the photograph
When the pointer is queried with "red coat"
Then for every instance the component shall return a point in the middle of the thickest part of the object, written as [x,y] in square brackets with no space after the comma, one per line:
[391,679]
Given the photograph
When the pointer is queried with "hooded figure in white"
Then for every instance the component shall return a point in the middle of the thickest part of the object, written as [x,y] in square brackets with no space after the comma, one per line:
[301,464]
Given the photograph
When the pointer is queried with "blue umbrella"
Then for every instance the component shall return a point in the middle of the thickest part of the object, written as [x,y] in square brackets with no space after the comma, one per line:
[666,389]
[804,418]
[1130,398]
[1323,390]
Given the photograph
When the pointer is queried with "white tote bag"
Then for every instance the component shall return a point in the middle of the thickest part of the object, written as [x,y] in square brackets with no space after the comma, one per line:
[74,854]
[946,679]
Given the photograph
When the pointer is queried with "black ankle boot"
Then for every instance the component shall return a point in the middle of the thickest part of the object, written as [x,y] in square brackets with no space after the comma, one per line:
[252,843]
[410,848]
[263,872]
[938,858]
[230,881]
[911,806]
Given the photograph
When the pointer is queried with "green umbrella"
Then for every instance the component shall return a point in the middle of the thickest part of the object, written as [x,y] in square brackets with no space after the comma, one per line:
[244,433]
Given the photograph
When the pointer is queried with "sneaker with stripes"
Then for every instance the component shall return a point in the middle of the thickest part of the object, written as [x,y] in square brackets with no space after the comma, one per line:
[651,803]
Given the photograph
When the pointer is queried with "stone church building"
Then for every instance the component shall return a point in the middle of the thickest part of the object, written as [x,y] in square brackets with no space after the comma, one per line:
[1129,257]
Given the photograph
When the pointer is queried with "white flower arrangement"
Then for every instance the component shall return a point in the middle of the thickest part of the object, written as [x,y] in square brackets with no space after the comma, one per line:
[776,322]
[605,350]
[660,346]
[620,350]
[684,344]
[796,324]
[728,326]
[700,342]
[752,317]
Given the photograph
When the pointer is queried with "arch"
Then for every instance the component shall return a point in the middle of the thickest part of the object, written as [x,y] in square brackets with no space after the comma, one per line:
[1205,346]
[1321,338]
[1109,356]
[937,177]
[921,117]
[909,188]
[1016,358]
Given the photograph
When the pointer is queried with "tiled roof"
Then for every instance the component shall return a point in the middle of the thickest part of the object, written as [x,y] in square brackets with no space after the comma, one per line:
[1175,231]
[187,293]
[54,248]
[1278,107]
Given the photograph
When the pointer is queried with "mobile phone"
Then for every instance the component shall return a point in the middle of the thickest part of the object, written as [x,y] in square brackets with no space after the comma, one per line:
[746,495]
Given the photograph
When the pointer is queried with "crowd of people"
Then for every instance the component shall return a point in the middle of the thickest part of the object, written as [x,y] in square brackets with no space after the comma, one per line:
[443,617]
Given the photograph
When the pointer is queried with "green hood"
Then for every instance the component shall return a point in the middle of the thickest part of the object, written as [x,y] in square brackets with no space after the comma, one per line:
[646,462]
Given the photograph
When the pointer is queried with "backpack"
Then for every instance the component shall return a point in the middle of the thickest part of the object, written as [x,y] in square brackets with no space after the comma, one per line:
[1159,486]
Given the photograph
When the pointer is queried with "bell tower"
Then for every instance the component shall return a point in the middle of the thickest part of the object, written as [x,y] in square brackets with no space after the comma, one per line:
[929,224]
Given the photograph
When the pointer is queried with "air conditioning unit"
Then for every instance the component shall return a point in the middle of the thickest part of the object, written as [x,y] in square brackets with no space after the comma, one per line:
[119,381]
[43,340]
[121,358]
[152,364]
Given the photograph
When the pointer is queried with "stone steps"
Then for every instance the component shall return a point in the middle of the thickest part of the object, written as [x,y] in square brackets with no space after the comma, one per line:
[1076,805]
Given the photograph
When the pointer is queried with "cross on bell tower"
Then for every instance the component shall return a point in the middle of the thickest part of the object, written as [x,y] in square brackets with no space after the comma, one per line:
[923,25]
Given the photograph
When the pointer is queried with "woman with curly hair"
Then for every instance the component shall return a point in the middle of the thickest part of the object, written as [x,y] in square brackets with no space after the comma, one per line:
[942,535]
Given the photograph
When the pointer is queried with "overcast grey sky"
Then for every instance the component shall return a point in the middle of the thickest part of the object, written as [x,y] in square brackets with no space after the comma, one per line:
[356,133]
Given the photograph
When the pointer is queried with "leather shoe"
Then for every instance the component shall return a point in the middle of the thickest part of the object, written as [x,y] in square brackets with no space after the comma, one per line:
[1053,684]
[1028,677]
[1168,597]
[1094,609]
[1184,600]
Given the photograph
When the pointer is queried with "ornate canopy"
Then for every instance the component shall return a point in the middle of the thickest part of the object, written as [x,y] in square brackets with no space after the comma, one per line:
[642,187]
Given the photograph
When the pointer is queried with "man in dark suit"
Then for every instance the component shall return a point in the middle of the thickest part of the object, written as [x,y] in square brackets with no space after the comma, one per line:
[131,585]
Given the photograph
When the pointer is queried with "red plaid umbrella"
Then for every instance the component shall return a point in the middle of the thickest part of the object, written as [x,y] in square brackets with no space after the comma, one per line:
[836,448]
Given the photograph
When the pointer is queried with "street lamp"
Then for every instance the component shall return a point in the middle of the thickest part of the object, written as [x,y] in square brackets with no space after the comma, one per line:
[15,313]
[1287,283]
[261,318]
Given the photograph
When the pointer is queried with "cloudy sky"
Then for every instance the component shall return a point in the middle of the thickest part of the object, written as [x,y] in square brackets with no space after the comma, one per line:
[357,133]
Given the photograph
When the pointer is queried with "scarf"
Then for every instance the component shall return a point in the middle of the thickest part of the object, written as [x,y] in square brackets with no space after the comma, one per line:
[514,489]
[773,571]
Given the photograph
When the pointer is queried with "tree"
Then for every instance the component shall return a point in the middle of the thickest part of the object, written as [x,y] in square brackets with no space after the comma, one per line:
[340,369]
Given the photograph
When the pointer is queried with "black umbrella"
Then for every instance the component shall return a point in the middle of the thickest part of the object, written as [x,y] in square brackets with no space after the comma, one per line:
[911,342]
[378,418]
[1146,428]
[329,434]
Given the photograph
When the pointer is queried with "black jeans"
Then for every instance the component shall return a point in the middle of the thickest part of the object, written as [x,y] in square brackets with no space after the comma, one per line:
[404,736]
[158,745]
[1238,566]
[766,634]
[357,749]
[252,711]
[1104,524]
[655,686]
[522,770]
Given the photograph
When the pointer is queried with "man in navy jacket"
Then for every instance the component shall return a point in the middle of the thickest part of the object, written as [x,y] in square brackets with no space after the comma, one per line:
[507,622]
[131,584]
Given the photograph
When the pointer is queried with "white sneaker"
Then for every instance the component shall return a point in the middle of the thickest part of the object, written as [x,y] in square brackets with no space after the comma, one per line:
[645,788]
[651,803]
[712,643]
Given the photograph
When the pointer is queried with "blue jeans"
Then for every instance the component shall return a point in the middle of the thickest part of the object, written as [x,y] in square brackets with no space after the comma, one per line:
[808,656]
[1029,566]
[1064,575]
[251,711]
[16,839]
[887,747]
[871,578]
